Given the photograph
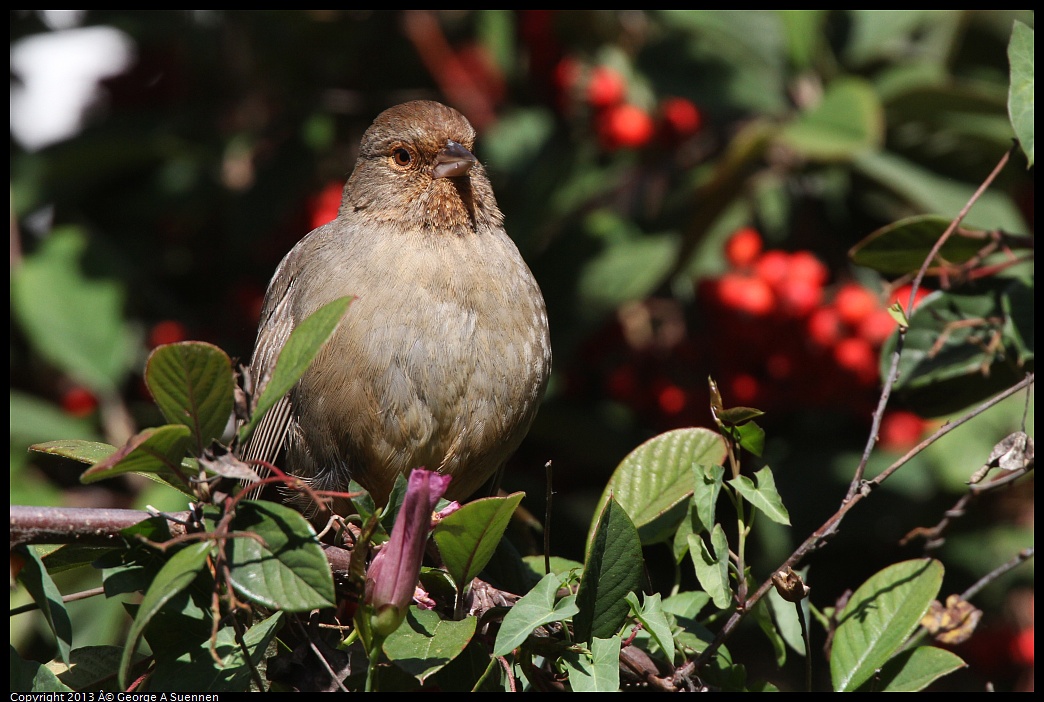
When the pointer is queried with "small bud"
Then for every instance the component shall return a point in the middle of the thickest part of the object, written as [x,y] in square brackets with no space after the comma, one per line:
[789,585]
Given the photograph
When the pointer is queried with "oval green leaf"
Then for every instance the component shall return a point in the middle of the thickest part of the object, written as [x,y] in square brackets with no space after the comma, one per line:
[468,537]
[424,644]
[79,450]
[655,478]
[614,567]
[192,383]
[154,450]
[879,617]
[288,571]
[297,355]
[914,670]
[175,575]
[847,121]
[901,247]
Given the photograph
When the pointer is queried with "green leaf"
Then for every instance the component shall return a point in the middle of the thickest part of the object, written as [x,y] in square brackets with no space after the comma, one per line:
[763,495]
[559,564]
[847,121]
[739,415]
[192,383]
[154,450]
[288,571]
[1020,95]
[750,436]
[625,270]
[90,667]
[879,617]
[901,247]
[931,192]
[897,313]
[597,671]
[914,670]
[34,420]
[947,363]
[612,569]
[176,575]
[32,676]
[654,480]
[534,609]
[804,34]
[424,643]
[708,480]
[712,567]
[297,355]
[74,322]
[47,597]
[83,451]
[651,614]
[763,616]
[468,537]
[195,670]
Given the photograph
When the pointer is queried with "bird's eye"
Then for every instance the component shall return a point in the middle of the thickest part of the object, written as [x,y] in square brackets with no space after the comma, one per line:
[402,157]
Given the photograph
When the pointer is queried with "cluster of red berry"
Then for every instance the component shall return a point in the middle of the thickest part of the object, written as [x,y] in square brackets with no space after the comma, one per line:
[770,330]
[618,122]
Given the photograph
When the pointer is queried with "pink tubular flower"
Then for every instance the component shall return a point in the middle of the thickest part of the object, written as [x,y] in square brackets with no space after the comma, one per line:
[392,576]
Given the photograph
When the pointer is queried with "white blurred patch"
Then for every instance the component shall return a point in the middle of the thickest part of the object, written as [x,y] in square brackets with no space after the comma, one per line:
[56,78]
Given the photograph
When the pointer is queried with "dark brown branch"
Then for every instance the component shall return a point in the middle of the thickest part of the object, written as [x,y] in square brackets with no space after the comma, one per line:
[68,525]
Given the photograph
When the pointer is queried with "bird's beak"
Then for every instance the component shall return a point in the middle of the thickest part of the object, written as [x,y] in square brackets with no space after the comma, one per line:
[453,160]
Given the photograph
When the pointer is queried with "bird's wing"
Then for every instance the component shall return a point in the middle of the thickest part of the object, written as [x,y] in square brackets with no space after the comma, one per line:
[270,433]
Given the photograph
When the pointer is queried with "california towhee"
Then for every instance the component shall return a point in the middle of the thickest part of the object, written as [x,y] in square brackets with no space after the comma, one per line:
[444,355]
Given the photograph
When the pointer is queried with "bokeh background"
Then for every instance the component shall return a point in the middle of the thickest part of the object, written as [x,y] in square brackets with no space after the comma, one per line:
[685,185]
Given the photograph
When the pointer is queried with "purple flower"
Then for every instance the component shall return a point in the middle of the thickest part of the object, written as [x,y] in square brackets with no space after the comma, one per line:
[392,576]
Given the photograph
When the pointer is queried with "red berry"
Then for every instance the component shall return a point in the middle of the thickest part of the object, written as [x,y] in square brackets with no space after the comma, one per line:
[877,327]
[803,265]
[79,401]
[168,331]
[605,88]
[799,297]
[743,247]
[671,399]
[900,430]
[1022,647]
[772,267]
[824,327]
[743,390]
[746,294]
[854,303]
[681,117]
[324,205]
[856,356]
[624,126]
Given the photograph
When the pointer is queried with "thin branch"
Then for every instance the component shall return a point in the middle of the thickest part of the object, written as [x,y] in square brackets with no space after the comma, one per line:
[893,371]
[829,527]
[81,525]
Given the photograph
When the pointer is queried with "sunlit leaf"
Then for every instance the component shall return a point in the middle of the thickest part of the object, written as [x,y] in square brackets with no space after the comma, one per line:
[879,617]
[653,482]
[192,383]
[1020,97]
[613,567]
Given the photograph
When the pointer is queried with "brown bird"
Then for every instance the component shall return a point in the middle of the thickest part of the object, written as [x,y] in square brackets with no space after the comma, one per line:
[443,356]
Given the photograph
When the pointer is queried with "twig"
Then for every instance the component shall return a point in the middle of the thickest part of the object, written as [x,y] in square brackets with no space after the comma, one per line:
[893,371]
[819,536]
